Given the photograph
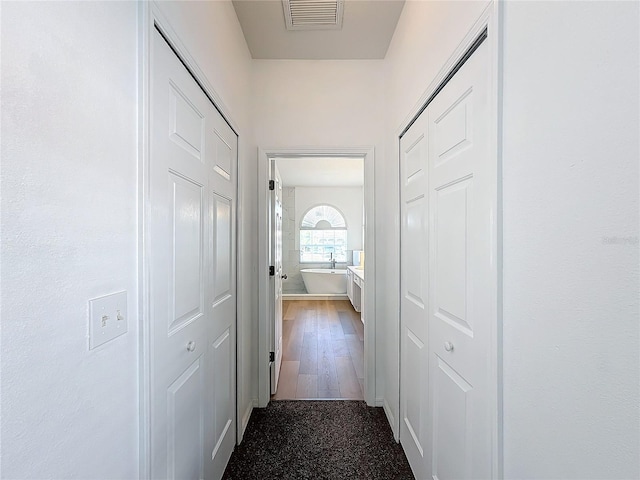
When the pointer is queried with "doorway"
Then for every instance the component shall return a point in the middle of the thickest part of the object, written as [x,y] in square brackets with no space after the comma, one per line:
[319,216]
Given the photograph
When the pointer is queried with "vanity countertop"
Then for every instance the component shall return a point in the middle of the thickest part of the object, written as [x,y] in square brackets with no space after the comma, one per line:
[359,271]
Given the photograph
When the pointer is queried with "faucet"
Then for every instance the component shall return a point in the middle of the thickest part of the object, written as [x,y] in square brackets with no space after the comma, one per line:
[333,262]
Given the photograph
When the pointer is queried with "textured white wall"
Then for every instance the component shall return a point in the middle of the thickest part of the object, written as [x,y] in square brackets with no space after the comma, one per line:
[426,36]
[69,231]
[69,163]
[211,33]
[571,315]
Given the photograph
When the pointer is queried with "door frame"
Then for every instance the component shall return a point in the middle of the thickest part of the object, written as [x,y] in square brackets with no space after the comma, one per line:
[151,17]
[490,19]
[264,306]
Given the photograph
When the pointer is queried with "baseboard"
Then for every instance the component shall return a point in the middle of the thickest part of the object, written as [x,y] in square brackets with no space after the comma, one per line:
[246,416]
[379,402]
[390,418]
[314,296]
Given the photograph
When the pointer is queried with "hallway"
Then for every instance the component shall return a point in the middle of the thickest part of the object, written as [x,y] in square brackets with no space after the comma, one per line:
[323,351]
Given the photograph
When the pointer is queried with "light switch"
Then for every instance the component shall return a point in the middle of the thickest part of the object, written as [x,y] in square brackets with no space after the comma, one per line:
[107,318]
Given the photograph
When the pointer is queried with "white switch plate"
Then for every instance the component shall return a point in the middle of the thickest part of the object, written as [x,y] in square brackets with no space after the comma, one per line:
[107,318]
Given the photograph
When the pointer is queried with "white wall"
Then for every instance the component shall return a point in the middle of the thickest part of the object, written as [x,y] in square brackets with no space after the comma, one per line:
[426,36]
[69,162]
[571,315]
[69,224]
[211,33]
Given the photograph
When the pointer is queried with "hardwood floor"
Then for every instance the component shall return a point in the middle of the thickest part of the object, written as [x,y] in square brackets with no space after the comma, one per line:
[322,351]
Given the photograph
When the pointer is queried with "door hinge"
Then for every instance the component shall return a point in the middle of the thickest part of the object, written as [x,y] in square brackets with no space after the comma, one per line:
[272,356]
[272,271]
[272,185]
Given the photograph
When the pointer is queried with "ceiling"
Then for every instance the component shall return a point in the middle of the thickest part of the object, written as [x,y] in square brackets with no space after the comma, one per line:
[321,171]
[366,32]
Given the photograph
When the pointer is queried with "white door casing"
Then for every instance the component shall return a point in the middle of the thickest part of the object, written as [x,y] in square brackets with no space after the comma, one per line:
[275,216]
[265,293]
[192,275]
[449,398]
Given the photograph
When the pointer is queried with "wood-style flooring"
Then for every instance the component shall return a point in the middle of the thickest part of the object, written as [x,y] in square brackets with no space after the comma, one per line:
[322,351]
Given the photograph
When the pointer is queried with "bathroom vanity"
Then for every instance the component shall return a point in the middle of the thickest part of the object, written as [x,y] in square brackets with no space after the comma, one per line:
[355,289]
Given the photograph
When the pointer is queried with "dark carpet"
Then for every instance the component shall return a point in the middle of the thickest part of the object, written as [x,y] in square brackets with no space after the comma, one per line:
[318,440]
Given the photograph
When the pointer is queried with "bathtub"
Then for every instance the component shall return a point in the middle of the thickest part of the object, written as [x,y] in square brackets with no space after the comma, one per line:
[324,281]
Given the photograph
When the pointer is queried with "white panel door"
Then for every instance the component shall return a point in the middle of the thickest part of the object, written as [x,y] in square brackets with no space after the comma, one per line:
[462,191]
[220,417]
[276,261]
[191,238]
[414,288]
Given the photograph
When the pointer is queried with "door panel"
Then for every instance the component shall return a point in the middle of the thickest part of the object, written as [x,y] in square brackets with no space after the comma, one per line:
[222,250]
[187,283]
[451,207]
[192,261]
[462,193]
[448,275]
[222,143]
[414,295]
[184,420]
[187,123]
[451,417]
[276,260]
[223,405]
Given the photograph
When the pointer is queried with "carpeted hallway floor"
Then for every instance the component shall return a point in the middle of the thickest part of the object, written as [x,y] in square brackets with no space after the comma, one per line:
[315,439]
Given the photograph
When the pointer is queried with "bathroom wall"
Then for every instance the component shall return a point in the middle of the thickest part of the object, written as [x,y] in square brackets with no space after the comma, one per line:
[290,253]
[296,202]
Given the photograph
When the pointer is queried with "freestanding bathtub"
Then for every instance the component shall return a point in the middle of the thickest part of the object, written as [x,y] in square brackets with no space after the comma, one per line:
[324,281]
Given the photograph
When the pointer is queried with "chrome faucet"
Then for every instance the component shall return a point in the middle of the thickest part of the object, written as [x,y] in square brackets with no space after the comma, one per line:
[333,262]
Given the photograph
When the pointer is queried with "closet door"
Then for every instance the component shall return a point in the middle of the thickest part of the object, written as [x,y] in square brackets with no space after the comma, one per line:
[192,261]
[448,280]
[462,272]
[414,287]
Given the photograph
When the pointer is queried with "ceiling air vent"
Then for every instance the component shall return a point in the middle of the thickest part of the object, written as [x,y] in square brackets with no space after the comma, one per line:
[313,14]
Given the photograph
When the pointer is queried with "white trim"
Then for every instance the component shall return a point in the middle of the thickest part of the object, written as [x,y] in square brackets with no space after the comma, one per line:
[491,18]
[391,419]
[245,421]
[264,154]
[144,338]
[150,16]
[314,296]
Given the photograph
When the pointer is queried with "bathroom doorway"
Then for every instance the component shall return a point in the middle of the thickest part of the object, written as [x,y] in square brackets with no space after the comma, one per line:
[323,343]
[319,342]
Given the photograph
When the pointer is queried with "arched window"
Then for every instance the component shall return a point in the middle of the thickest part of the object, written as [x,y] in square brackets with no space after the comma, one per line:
[323,235]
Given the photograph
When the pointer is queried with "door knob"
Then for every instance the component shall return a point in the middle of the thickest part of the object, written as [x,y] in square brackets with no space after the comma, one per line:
[191,346]
[284,277]
[448,346]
